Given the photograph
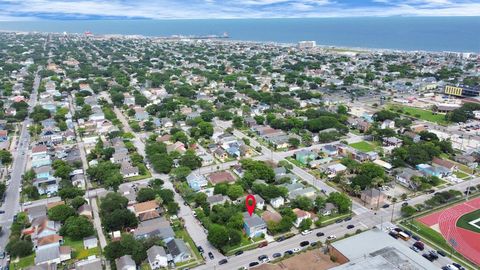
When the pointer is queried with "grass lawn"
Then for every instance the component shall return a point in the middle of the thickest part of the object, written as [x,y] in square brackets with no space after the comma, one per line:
[460,174]
[463,221]
[421,114]
[296,162]
[363,146]
[23,262]
[78,251]
[244,245]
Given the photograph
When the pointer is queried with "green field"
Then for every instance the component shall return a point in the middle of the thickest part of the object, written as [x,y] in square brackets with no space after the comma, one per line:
[363,146]
[421,114]
[463,221]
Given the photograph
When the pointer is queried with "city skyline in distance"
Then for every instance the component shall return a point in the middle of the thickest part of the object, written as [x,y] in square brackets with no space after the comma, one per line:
[12,10]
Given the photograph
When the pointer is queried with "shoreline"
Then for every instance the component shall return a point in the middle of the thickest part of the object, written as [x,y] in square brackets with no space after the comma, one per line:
[178,37]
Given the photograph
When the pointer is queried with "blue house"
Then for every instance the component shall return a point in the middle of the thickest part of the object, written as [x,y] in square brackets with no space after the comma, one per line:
[254,225]
[43,172]
[233,151]
[3,135]
[196,181]
[428,170]
[305,156]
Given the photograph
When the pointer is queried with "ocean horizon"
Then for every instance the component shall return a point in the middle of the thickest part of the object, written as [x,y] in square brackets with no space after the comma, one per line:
[456,34]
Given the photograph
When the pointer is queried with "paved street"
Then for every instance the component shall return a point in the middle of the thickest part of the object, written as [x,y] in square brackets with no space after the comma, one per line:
[11,205]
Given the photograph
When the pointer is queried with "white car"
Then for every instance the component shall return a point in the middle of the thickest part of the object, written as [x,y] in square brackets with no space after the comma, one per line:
[331,237]
[306,232]
[295,250]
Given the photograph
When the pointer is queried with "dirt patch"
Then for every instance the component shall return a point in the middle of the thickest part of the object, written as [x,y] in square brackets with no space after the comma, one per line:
[310,260]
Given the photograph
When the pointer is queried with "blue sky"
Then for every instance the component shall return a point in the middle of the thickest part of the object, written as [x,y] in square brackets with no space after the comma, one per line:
[207,9]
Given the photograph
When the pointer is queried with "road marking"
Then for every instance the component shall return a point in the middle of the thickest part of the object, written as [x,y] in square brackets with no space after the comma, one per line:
[363,224]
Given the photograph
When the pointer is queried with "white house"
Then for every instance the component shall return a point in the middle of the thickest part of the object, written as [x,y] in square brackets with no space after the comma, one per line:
[157,257]
[301,216]
[277,202]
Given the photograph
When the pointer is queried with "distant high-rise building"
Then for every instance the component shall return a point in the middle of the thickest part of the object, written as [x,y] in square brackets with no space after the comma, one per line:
[307,44]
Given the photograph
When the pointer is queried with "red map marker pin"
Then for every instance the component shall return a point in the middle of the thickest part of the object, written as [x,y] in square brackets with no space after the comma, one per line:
[250,203]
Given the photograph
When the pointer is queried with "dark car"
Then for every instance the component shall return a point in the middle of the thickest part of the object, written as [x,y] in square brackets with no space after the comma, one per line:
[419,245]
[428,257]
[441,253]
[200,249]
[458,266]
[405,204]
[348,219]
[288,252]
[409,233]
[386,205]
[252,264]
[393,234]
[398,230]
[224,261]
[210,255]
[2,212]
[350,226]
[319,234]
[262,257]
[277,255]
[238,253]
[339,221]
[430,191]
[313,244]
[416,237]
[280,239]
[304,243]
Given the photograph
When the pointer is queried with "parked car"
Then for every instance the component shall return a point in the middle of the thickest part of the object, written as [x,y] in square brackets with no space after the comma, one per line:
[262,257]
[252,264]
[441,253]
[263,244]
[304,243]
[200,249]
[2,212]
[419,245]
[386,205]
[223,261]
[348,219]
[280,239]
[458,266]
[288,252]
[277,255]
[339,221]
[240,252]
[331,237]
[414,248]
[416,237]
[210,255]
[306,232]
[351,226]
[313,244]
[319,234]
[295,250]
[405,204]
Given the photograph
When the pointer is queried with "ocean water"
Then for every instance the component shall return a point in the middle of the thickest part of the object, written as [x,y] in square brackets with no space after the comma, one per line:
[461,34]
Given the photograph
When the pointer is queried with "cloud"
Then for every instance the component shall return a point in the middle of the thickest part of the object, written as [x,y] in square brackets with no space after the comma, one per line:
[216,9]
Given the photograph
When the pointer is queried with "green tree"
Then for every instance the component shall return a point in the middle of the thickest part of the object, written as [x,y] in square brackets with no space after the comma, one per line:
[305,224]
[146,194]
[216,236]
[408,211]
[61,213]
[235,192]
[341,200]
[5,157]
[77,202]
[77,228]
[70,192]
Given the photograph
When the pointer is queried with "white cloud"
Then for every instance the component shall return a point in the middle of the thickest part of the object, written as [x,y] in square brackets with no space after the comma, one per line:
[195,9]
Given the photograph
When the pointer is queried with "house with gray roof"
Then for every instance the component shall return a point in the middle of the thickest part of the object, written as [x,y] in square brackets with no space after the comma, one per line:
[157,257]
[178,251]
[156,227]
[125,263]
[254,225]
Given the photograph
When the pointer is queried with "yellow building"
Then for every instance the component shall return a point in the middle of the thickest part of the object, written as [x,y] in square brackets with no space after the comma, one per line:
[453,90]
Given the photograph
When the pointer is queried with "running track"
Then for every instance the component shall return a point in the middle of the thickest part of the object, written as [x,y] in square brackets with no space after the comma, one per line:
[464,241]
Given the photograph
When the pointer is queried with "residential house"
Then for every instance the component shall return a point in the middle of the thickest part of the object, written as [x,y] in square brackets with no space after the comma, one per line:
[216,199]
[305,156]
[140,114]
[301,216]
[178,251]
[158,227]
[220,154]
[54,254]
[277,202]
[143,208]
[428,170]
[3,135]
[48,241]
[259,201]
[445,164]
[221,177]
[196,181]
[404,177]
[468,160]
[388,124]
[392,141]
[89,264]
[34,212]
[412,135]
[335,169]
[254,225]
[328,209]
[330,150]
[39,151]
[125,263]
[157,257]
[127,170]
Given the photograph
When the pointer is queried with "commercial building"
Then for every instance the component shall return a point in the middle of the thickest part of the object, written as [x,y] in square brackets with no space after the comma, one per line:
[462,91]
[376,250]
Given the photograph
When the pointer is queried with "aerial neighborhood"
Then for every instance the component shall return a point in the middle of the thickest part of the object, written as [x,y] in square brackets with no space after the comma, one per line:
[132,152]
